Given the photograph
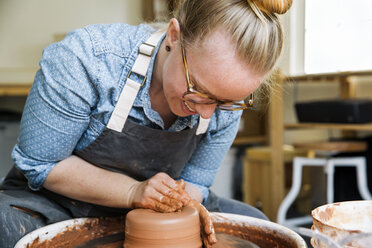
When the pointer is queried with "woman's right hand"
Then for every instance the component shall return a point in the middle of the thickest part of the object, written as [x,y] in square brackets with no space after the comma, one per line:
[160,193]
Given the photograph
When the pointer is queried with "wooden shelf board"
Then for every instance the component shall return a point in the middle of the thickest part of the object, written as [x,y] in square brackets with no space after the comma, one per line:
[355,127]
[14,90]
[250,140]
[327,76]
[16,81]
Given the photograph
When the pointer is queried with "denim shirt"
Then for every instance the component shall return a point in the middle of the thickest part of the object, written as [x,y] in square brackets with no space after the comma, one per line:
[74,94]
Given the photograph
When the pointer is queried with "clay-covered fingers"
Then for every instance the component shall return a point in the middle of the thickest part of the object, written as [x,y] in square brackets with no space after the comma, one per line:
[172,189]
[166,200]
[207,228]
[160,193]
[168,196]
[181,190]
[207,224]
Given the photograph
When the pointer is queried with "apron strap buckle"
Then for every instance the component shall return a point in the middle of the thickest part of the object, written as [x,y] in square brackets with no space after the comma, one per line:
[143,81]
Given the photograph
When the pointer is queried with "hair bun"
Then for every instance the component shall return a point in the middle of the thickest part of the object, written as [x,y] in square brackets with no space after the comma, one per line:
[273,6]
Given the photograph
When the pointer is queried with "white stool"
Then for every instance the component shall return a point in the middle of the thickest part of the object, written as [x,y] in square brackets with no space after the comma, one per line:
[329,165]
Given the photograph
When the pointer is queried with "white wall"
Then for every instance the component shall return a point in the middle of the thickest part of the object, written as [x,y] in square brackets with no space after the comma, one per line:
[27,26]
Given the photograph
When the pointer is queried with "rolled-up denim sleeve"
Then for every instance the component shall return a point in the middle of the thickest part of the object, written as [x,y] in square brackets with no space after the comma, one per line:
[203,165]
[57,109]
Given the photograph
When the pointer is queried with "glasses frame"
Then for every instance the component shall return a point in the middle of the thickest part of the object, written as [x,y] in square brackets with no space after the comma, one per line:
[220,104]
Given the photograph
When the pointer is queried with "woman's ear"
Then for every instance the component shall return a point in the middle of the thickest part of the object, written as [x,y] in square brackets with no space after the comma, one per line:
[173,33]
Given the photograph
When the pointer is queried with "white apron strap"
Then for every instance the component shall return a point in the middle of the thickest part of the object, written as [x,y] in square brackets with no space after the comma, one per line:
[131,87]
[203,125]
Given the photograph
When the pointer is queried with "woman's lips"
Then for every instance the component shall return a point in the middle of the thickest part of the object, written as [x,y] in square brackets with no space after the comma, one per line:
[187,109]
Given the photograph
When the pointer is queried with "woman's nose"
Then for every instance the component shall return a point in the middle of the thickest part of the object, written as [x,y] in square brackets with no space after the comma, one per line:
[205,110]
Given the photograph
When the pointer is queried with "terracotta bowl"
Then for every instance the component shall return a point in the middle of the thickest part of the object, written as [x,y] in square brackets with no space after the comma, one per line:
[73,232]
[344,220]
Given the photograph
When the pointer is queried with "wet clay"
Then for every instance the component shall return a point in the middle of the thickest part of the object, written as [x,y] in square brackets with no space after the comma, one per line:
[230,241]
[262,236]
[75,236]
[147,228]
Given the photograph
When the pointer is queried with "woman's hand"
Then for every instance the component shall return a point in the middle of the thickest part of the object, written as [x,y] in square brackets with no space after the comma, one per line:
[160,193]
[206,224]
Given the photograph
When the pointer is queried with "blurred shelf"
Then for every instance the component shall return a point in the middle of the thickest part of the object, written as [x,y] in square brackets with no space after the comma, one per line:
[327,76]
[352,127]
[250,140]
[16,81]
[14,90]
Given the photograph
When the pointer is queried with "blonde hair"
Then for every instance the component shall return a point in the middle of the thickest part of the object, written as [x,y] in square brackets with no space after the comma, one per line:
[253,25]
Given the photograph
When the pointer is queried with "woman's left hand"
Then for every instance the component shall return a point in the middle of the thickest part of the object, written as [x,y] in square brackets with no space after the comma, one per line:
[206,224]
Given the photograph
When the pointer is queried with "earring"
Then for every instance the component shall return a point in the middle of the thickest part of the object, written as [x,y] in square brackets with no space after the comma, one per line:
[167,48]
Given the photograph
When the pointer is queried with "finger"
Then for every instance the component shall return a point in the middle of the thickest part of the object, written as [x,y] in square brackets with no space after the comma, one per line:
[157,184]
[164,189]
[207,224]
[185,196]
[167,180]
[159,197]
[171,202]
[179,195]
[166,186]
[212,238]
[177,190]
[206,243]
[176,198]
[182,184]
[160,207]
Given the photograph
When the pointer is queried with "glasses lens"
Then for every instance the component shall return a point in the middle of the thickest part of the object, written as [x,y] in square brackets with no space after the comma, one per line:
[197,99]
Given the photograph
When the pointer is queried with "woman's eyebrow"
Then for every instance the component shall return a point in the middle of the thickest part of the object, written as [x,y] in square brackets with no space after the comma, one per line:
[199,86]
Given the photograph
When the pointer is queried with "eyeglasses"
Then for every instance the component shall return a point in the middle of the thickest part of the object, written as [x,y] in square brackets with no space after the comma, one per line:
[192,96]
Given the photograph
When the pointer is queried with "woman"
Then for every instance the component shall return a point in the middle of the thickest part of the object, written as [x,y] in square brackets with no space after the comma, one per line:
[123,117]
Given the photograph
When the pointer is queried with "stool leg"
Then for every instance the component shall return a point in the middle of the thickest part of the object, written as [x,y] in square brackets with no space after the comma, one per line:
[330,171]
[362,178]
[295,189]
[298,163]
[361,173]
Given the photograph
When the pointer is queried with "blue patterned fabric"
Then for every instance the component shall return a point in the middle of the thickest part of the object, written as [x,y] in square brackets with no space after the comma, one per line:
[74,94]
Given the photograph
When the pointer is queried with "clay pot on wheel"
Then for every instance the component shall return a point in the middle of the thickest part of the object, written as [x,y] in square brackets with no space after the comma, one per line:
[145,228]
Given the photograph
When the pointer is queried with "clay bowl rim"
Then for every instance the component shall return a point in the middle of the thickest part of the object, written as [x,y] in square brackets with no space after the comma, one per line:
[263,224]
[315,219]
[51,230]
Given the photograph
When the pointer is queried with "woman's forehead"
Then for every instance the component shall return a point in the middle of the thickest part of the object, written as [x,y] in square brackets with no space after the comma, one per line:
[216,66]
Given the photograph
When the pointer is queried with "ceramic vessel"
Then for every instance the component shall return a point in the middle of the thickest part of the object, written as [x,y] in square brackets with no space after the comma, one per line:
[344,221]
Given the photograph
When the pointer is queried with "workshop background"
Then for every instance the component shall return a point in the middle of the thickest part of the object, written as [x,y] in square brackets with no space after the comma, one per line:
[327,56]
